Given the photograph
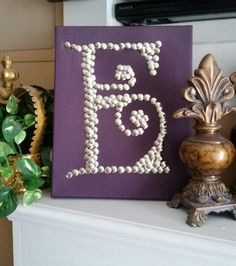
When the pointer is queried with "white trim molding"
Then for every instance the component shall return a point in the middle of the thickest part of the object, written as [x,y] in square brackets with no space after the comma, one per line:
[117,232]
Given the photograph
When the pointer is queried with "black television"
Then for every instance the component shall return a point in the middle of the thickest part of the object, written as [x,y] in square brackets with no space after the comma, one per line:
[173,11]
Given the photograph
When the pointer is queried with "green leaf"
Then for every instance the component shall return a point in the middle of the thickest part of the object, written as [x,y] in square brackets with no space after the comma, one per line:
[8,201]
[6,171]
[31,196]
[20,137]
[28,168]
[46,170]
[10,128]
[33,183]
[4,192]
[29,120]
[12,106]
[5,149]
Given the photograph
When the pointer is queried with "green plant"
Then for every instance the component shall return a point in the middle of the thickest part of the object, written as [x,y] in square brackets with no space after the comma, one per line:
[16,129]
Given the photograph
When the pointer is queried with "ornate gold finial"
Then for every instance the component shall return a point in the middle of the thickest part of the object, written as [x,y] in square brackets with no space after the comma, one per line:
[8,76]
[206,152]
[208,93]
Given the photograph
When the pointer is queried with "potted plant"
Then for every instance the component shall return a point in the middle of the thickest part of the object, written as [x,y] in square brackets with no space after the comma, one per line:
[21,172]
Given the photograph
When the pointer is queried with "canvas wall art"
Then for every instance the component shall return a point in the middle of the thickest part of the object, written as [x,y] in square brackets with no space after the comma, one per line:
[116,89]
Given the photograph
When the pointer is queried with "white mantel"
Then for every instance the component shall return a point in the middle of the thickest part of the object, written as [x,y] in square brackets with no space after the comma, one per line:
[90,232]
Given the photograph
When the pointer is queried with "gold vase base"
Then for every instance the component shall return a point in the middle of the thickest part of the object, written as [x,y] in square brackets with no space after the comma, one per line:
[198,212]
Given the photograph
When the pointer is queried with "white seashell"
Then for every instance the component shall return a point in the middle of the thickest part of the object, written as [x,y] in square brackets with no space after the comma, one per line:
[134,113]
[69,175]
[116,47]
[160,170]
[139,45]
[104,46]
[120,87]
[135,132]
[126,87]
[118,115]
[110,45]
[154,170]
[78,48]
[118,76]
[108,170]
[142,161]
[121,169]
[148,57]
[141,170]
[122,45]
[166,170]
[147,97]
[153,72]
[132,81]
[82,171]
[153,100]
[121,127]
[91,46]
[141,111]
[134,97]
[134,46]
[155,58]
[151,66]
[97,44]
[73,46]
[120,67]
[128,169]
[134,169]
[106,106]
[119,97]
[141,131]
[158,43]
[140,97]
[128,132]
[128,45]
[100,169]
[94,170]
[107,87]
[114,169]
[84,47]
[118,122]
[113,86]
[152,45]
[67,45]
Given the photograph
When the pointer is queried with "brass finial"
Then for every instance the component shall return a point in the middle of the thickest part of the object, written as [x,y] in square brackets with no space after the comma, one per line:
[8,76]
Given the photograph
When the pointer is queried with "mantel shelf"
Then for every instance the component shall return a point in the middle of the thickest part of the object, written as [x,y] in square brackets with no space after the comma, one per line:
[127,232]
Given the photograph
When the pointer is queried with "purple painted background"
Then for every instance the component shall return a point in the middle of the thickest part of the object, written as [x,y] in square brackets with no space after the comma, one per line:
[116,148]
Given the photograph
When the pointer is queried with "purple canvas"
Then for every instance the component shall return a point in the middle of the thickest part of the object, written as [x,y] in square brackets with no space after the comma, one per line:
[113,140]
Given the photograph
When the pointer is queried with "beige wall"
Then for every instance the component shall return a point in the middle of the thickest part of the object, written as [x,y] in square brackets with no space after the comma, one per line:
[28,38]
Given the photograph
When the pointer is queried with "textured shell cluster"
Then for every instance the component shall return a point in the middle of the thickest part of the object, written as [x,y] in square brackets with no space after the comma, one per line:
[152,161]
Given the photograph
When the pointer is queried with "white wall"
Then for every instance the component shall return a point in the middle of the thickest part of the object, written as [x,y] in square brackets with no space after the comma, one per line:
[217,37]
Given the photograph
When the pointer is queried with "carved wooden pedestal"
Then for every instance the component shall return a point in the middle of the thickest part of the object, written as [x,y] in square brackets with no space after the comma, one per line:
[197,212]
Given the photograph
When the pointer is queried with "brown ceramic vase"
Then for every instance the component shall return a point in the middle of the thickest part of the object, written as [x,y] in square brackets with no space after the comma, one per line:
[207,154]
